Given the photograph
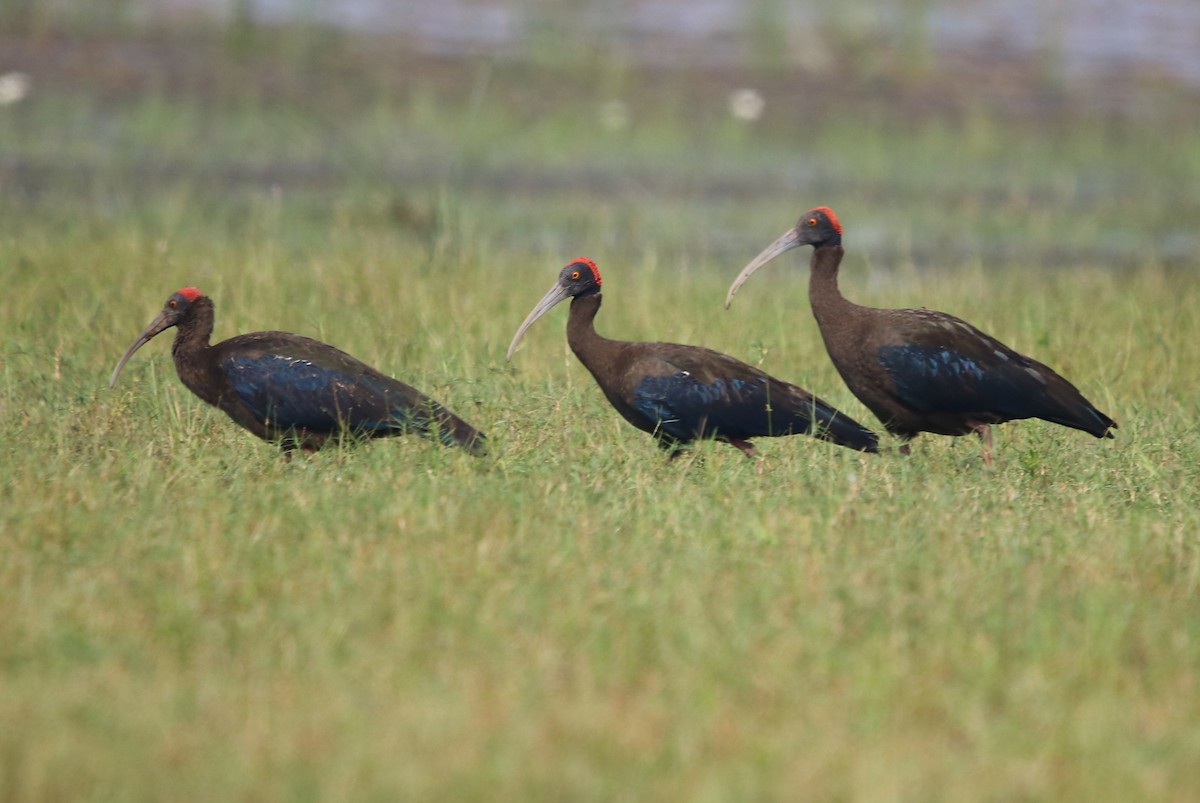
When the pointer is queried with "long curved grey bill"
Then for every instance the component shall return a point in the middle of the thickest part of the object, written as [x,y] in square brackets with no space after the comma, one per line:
[557,293]
[789,240]
[157,325]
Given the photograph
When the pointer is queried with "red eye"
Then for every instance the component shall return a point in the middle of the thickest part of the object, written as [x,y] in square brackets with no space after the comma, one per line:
[172,303]
[812,221]
[574,274]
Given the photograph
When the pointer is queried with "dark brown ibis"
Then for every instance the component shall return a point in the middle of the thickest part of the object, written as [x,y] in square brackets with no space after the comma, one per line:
[681,393]
[919,370]
[293,389]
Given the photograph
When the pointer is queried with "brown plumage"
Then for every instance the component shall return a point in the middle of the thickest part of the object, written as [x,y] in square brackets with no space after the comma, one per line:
[680,393]
[919,370]
[293,389]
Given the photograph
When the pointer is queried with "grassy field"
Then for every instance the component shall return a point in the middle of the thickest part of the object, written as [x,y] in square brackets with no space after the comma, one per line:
[184,615]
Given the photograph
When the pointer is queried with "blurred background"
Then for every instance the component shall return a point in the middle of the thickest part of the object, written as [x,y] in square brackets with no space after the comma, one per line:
[184,614]
[946,131]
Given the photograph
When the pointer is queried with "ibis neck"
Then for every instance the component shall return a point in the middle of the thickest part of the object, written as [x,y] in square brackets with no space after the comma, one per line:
[193,332]
[191,344]
[581,330]
[827,301]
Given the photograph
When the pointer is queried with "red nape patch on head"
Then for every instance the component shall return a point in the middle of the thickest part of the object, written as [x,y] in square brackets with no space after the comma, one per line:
[591,265]
[190,293]
[827,212]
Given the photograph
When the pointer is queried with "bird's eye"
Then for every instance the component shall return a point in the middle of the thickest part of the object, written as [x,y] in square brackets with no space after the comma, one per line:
[172,303]
[812,221]
[574,274]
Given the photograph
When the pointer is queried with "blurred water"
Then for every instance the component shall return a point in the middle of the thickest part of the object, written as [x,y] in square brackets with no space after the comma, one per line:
[1086,36]
[1079,37]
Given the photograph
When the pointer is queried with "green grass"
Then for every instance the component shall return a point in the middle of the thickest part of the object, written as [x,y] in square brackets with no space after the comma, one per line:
[185,615]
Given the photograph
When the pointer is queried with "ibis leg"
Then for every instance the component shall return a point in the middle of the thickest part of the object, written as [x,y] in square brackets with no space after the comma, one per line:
[984,431]
[746,447]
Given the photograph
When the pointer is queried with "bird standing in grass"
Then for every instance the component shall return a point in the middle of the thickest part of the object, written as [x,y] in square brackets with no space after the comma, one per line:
[293,389]
[680,393]
[919,370]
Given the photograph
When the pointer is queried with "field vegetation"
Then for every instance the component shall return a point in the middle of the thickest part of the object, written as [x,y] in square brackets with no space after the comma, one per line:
[185,615]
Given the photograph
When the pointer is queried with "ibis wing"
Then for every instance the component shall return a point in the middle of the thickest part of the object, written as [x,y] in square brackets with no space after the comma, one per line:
[292,392]
[685,407]
[292,381]
[694,392]
[287,381]
[947,365]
